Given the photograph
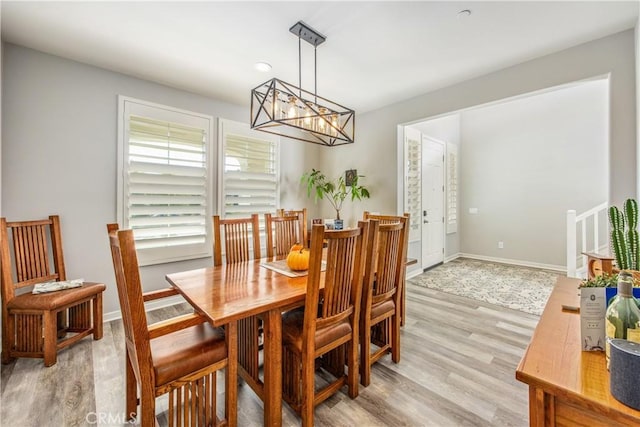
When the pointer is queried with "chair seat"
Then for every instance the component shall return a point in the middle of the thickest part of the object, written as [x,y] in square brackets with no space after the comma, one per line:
[54,300]
[382,308]
[187,351]
[292,325]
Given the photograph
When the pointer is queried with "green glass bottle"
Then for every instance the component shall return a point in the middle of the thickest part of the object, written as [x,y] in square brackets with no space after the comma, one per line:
[623,315]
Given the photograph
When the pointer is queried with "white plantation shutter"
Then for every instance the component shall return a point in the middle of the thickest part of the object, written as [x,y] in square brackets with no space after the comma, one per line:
[248,172]
[413,184]
[452,188]
[165,182]
[250,176]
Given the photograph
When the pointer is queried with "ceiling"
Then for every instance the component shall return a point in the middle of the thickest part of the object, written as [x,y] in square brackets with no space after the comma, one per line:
[376,53]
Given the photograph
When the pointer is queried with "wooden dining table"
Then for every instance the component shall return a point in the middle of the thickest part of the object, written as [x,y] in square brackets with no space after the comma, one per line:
[238,291]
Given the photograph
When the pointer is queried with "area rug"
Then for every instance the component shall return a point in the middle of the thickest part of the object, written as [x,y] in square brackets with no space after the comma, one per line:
[519,288]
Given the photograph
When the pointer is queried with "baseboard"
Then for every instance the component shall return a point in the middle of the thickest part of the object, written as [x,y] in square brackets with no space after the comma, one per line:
[152,305]
[452,257]
[418,271]
[413,273]
[559,268]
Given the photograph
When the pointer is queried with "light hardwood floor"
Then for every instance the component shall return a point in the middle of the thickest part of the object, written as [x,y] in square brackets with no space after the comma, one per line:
[457,369]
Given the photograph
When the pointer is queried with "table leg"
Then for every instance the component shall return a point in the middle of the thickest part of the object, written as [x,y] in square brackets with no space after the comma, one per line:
[403,303]
[231,373]
[273,368]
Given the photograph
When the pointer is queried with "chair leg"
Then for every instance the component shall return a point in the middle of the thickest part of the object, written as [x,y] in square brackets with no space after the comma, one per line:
[395,337]
[308,393]
[8,336]
[97,317]
[131,391]
[148,408]
[352,363]
[403,305]
[365,355]
[50,320]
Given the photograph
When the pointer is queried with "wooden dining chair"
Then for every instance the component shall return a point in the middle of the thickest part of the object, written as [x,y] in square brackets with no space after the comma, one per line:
[282,233]
[381,295]
[303,221]
[179,356]
[326,323]
[389,219]
[38,325]
[240,237]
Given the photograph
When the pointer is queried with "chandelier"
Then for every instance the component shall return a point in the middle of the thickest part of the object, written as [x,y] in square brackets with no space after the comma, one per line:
[283,109]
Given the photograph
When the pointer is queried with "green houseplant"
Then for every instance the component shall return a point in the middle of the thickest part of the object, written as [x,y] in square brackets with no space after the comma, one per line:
[624,235]
[335,191]
[605,280]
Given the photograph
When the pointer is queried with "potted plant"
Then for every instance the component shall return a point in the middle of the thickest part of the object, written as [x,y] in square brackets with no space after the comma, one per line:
[605,280]
[335,191]
[624,236]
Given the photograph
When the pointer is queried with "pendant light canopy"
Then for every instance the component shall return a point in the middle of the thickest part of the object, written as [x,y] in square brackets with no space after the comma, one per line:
[287,110]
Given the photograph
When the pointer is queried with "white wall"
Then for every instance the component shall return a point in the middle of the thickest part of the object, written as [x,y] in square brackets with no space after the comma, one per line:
[59,154]
[524,163]
[377,130]
[59,140]
[637,45]
[1,55]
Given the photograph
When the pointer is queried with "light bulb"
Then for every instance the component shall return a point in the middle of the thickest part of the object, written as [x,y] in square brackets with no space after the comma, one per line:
[293,113]
[334,123]
[275,104]
[321,120]
[307,118]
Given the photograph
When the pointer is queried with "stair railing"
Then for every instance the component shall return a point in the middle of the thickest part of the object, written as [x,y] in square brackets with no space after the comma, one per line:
[579,222]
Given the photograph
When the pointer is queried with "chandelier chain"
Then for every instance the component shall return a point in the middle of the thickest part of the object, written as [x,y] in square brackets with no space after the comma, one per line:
[299,65]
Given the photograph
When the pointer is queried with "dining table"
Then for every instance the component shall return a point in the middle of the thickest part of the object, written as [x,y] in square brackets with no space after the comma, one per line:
[247,290]
[243,292]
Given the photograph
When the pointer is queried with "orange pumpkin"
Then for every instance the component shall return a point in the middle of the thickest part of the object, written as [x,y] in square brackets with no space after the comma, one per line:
[298,258]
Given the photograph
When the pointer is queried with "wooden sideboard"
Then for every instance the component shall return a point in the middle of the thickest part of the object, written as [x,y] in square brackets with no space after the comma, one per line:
[568,387]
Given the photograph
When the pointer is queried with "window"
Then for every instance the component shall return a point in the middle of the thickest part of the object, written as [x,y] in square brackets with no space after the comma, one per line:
[164,180]
[248,172]
[452,188]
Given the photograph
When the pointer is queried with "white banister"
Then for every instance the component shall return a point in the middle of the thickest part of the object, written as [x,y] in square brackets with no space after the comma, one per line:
[593,211]
[573,220]
[571,243]
[596,240]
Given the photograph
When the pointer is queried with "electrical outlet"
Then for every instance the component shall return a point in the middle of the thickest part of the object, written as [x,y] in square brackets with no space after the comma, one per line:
[500,245]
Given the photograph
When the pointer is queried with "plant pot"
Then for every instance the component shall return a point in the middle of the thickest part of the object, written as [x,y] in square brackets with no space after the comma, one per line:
[338,224]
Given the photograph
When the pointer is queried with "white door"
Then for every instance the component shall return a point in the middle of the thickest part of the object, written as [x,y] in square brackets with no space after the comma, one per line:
[432,202]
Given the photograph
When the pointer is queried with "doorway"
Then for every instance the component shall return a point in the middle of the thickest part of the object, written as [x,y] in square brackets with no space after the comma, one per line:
[432,227]
[522,158]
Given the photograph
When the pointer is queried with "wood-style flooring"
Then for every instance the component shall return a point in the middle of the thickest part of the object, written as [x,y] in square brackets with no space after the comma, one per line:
[457,369]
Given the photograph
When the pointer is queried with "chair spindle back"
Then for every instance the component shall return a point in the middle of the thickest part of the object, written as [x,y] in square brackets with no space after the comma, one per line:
[343,276]
[240,236]
[282,233]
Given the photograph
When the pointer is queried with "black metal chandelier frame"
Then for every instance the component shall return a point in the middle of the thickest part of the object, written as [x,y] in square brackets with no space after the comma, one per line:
[281,108]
